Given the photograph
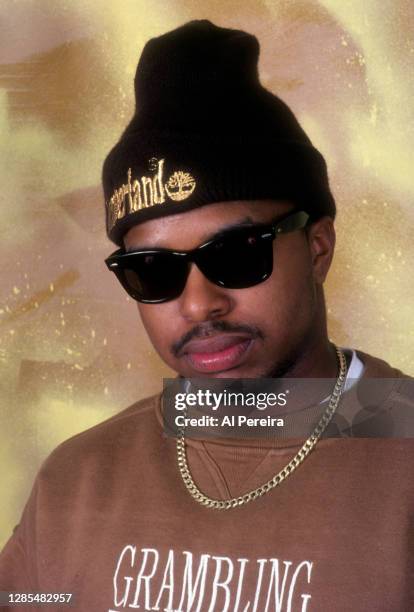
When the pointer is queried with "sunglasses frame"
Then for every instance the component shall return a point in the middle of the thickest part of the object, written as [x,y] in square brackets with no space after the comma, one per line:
[293,221]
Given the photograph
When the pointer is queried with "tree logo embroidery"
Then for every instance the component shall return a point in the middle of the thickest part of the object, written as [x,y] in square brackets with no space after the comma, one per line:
[180,186]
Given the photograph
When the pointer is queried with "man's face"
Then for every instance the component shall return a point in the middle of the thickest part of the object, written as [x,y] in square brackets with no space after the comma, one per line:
[238,333]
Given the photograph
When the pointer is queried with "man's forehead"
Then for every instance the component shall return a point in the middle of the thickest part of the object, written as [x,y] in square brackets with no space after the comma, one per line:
[202,223]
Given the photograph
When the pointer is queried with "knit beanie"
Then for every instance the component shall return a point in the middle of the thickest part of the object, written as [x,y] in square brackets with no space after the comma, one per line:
[205,131]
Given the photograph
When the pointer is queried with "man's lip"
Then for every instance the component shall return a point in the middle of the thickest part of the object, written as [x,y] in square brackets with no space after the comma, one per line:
[214,344]
[217,353]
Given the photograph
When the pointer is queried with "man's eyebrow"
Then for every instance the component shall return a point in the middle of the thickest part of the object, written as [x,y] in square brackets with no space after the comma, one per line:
[225,229]
[246,222]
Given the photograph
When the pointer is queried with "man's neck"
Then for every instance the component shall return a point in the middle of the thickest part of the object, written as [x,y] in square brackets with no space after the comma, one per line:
[316,361]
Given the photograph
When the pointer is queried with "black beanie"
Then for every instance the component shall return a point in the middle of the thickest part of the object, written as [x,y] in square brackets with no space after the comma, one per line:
[204,131]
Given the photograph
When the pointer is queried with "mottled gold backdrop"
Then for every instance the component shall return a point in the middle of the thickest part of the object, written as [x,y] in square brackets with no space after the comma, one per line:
[72,349]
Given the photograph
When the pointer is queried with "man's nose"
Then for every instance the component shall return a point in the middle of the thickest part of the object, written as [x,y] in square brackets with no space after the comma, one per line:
[202,300]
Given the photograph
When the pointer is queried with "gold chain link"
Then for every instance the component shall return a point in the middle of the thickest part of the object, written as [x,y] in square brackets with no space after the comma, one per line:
[278,478]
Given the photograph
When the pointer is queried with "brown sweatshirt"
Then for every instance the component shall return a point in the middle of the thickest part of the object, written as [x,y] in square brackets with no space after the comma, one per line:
[110,521]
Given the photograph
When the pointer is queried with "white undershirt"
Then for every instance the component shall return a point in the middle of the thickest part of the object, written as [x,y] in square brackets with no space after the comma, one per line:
[354,373]
[355,370]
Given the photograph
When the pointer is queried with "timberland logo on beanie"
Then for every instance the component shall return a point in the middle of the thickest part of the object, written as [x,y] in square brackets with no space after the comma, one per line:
[146,191]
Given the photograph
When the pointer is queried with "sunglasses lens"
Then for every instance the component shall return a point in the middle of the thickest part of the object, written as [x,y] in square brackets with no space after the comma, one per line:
[153,277]
[241,259]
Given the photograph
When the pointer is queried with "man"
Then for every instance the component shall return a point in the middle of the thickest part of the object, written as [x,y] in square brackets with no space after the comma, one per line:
[222,211]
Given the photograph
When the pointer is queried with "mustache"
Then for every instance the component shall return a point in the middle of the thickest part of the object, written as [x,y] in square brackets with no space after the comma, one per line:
[204,330]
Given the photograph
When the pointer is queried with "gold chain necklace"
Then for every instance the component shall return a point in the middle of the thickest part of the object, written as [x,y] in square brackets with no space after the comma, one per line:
[300,456]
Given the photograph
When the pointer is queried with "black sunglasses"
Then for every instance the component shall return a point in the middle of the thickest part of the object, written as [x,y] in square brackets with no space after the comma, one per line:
[236,259]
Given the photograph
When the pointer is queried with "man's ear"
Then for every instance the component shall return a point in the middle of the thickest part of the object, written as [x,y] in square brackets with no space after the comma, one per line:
[321,240]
